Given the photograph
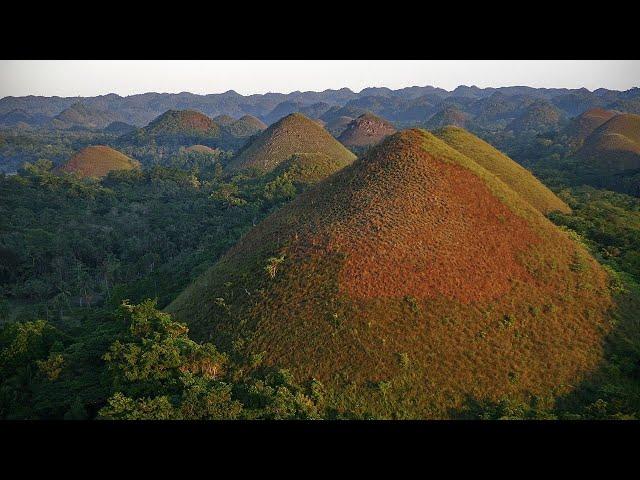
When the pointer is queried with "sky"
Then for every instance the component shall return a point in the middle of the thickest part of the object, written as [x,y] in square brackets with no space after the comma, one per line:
[127,77]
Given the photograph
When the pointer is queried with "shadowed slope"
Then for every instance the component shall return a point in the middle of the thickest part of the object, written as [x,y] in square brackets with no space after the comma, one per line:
[583,125]
[615,145]
[407,282]
[98,161]
[510,172]
[293,134]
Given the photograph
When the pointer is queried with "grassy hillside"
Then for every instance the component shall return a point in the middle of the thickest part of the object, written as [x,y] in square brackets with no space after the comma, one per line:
[583,125]
[291,135]
[510,172]
[98,161]
[408,283]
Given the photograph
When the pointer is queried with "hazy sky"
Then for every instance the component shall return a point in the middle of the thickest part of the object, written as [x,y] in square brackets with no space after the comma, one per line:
[97,77]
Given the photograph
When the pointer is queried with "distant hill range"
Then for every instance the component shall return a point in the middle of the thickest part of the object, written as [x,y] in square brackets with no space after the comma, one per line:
[407,105]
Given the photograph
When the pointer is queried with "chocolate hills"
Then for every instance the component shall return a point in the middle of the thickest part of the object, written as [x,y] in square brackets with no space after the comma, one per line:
[245,127]
[183,122]
[507,170]
[610,156]
[408,283]
[584,124]
[97,161]
[365,131]
[294,134]
[450,115]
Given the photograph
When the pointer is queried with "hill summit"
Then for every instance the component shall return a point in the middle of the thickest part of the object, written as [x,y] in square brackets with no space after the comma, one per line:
[365,131]
[98,161]
[293,134]
[408,283]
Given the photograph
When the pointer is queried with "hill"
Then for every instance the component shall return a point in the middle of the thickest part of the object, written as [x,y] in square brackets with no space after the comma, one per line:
[293,134]
[98,161]
[540,116]
[408,284]
[119,128]
[610,156]
[202,149]
[580,127]
[450,115]
[80,115]
[223,120]
[183,122]
[337,125]
[365,131]
[245,127]
[507,170]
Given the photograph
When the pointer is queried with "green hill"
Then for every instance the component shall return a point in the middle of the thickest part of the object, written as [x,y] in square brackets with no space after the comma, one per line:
[293,134]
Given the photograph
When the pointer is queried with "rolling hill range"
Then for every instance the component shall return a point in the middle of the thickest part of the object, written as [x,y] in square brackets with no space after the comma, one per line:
[365,131]
[294,134]
[97,161]
[408,283]
[507,170]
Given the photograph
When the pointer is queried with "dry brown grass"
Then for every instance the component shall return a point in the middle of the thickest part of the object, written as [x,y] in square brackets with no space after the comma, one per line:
[97,161]
[510,172]
[410,281]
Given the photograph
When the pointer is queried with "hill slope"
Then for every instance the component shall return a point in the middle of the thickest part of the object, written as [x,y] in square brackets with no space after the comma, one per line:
[450,115]
[610,156]
[507,170]
[245,127]
[98,161]
[365,131]
[583,125]
[293,134]
[407,283]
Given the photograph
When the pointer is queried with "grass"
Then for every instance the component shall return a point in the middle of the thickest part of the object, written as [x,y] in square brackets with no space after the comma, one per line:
[98,161]
[365,131]
[294,134]
[514,175]
[376,256]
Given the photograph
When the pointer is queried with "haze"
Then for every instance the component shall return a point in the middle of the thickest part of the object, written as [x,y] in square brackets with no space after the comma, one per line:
[98,77]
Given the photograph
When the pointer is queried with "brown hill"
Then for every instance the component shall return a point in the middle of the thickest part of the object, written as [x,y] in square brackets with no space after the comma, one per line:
[614,146]
[291,135]
[97,161]
[510,172]
[584,125]
[365,131]
[407,283]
